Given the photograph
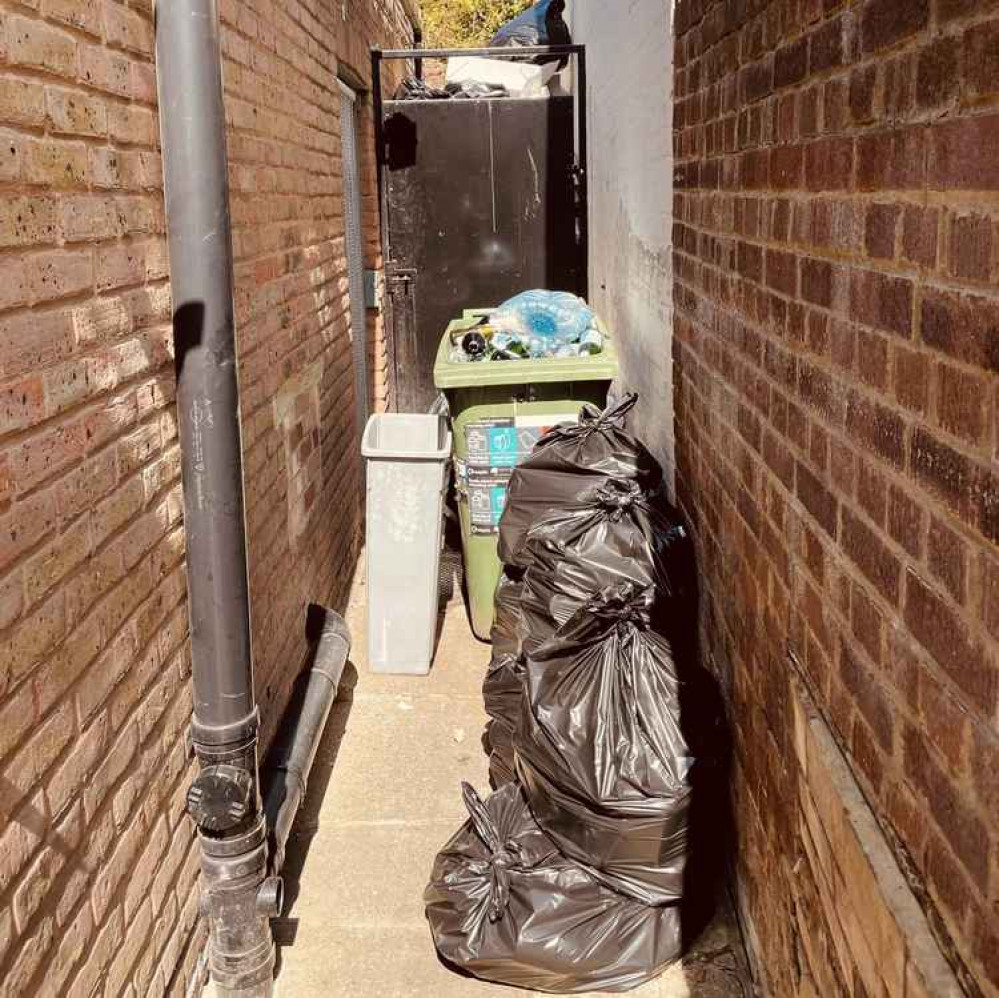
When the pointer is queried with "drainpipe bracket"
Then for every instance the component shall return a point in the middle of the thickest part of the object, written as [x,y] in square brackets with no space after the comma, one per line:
[226,736]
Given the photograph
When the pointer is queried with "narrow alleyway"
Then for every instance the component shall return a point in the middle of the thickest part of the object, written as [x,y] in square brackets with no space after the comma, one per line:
[383,798]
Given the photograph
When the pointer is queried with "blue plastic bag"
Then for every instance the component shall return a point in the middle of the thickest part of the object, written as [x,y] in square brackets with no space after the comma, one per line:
[541,24]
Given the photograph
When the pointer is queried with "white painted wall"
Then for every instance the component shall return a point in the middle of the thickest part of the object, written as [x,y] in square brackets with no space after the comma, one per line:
[629,58]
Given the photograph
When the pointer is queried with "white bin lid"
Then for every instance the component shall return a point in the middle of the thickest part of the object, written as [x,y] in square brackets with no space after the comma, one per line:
[404,436]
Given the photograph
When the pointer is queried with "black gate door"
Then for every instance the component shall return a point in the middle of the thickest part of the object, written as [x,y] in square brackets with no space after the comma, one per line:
[482,199]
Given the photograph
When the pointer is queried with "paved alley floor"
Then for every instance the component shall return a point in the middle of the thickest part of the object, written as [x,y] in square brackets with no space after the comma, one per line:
[383,798]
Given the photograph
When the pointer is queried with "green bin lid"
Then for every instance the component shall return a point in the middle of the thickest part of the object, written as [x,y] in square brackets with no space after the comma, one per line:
[544,370]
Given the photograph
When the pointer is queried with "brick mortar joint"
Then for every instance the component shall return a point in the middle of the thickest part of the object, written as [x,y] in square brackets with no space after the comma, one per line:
[907,562]
[888,610]
[81,852]
[908,869]
[716,542]
[922,277]
[912,418]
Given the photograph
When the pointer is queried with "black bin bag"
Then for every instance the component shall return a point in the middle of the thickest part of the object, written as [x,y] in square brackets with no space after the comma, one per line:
[505,905]
[503,687]
[599,749]
[567,463]
[587,511]
[613,533]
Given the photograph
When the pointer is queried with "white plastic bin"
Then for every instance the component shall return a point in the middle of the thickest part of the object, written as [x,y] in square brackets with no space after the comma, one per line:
[407,458]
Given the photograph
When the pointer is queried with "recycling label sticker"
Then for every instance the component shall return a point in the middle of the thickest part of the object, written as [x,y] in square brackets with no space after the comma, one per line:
[494,448]
[502,443]
[492,444]
[486,502]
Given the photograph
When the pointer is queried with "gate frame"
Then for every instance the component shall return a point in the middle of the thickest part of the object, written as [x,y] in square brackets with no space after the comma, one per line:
[417,55]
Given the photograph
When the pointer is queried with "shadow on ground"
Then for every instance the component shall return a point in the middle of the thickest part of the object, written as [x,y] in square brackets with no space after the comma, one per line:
[307,821]
[384,797]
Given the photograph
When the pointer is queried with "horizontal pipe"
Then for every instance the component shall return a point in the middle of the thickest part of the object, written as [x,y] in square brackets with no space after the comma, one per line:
[296,754]
[500,52]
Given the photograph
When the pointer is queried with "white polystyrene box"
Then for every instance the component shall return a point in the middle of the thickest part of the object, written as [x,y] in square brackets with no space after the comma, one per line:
[521,79]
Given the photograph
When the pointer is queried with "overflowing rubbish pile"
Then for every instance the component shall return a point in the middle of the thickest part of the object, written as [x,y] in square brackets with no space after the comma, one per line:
[514,76]
[532,325]
[569,877]
[542,24]
[413,88]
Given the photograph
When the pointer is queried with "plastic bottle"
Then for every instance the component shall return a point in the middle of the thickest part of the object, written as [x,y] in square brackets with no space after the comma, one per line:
[551,318]
[510,345]
[590,343]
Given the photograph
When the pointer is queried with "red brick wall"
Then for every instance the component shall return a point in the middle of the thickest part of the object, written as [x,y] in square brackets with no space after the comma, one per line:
[836,252]
[97,871]
[296,375]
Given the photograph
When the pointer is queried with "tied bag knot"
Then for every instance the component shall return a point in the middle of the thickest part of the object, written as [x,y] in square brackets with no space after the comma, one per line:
[504,855]
[623,609]
[618,498]
[626,605]
[507,857]
[591,420]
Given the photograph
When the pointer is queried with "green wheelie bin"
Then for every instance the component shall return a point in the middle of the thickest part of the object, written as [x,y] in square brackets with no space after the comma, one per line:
[499,410]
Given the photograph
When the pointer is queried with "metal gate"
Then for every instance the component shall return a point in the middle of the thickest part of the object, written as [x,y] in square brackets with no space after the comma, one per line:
[481,199]
[354,250]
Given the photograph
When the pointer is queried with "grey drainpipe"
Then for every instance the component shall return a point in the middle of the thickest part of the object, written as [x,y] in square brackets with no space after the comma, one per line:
[237,896]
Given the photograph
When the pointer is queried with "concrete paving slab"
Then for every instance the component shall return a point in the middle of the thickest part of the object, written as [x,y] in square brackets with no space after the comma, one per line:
[459,661]
[403,758]
[383,869]
[386,963]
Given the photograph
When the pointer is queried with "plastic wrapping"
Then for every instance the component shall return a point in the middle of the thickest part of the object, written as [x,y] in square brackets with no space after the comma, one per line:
[516,78]
[552,318]
[612,533]
[585,737]
[599,750]
[575,534]
[413,88]
[505,905]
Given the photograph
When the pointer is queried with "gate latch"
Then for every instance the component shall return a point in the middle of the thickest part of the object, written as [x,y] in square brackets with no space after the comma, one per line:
[400,281]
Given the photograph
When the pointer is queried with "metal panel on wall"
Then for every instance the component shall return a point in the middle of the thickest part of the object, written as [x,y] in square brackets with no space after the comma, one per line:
[355,251]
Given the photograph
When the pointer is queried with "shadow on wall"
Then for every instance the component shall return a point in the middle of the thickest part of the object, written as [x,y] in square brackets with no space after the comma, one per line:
[310,397]
[565,205]
[703,721]
[188,329]
[33,821]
